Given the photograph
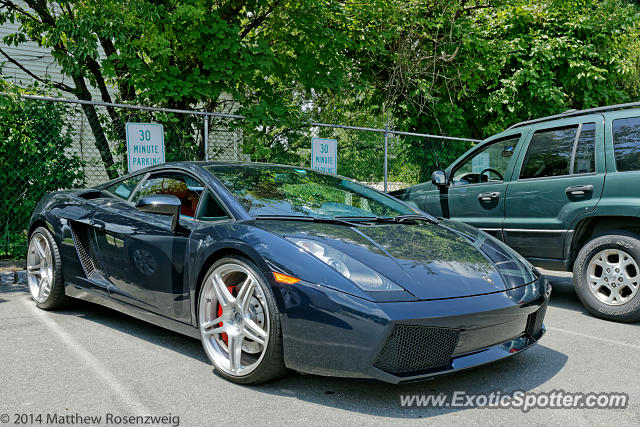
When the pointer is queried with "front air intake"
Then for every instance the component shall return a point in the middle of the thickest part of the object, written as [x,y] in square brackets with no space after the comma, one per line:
[534,322]
[417,348]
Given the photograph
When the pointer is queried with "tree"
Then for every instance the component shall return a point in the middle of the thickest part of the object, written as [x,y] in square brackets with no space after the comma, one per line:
[34,159]
[473,68]
[259,58]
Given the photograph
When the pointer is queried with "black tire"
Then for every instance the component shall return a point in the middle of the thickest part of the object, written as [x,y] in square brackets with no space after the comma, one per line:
[57,297]
[272,364]
[627,243]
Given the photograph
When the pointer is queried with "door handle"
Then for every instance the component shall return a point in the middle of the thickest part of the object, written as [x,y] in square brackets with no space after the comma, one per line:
[579,190]
[487,197]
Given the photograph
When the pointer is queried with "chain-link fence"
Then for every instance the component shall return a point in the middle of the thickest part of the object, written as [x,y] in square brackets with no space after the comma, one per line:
[49,144]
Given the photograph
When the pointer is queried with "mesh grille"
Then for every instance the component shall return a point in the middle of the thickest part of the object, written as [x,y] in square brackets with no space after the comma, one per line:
[86,252]
[417,348]
[534,321]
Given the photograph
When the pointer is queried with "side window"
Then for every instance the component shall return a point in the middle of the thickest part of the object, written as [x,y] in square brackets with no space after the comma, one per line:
[560,151]
[549,153]
[187,189]
[488,165]
[211,209]
[585,157]
[626,143]
[123,189]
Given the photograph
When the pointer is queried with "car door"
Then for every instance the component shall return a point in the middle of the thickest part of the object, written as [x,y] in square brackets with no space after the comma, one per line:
[620,195]
[143,258]
[559,176]
[477,184]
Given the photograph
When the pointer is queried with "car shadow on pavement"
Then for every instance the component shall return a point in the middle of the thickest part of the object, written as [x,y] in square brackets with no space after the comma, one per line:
[564,295]
[12,289]
[524,372]
[157,335]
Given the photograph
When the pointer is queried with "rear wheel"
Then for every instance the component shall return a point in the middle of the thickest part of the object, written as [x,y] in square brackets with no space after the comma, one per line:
[44,270]
[239,323]
[607,277]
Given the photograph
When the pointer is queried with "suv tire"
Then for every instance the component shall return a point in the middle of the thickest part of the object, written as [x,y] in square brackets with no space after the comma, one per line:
[606,276]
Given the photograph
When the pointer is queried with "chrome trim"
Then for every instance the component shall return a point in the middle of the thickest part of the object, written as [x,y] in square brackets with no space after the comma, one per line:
[535,230]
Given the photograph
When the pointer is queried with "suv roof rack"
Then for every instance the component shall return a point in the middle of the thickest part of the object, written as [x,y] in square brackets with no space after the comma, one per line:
[572,113]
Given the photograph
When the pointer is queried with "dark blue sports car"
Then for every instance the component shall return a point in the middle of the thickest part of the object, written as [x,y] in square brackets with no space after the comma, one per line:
[277,267]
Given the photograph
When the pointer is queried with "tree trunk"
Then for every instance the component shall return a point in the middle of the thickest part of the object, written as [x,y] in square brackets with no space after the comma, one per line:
[101,142]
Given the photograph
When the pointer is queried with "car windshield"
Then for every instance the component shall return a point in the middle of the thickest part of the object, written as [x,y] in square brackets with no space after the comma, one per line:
[279,190]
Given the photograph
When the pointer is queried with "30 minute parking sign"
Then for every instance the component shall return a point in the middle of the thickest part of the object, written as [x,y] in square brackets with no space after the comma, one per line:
[324,155]
[145,145]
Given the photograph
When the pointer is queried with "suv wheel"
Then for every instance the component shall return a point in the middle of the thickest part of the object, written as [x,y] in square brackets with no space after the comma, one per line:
[607,277]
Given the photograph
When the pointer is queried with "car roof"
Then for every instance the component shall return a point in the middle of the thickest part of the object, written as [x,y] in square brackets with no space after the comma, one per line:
[573,113]
[195,165]
[198,167]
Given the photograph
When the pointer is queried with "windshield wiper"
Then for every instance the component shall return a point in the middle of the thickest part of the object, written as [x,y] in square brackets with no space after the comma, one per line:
[400,219]
[415,217]
[306,218]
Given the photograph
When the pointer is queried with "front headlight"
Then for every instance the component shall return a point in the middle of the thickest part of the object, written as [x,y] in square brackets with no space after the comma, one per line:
[366,278]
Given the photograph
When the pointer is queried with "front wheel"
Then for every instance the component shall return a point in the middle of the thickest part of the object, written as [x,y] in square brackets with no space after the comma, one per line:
[607,277]
[239,323]
[44,270]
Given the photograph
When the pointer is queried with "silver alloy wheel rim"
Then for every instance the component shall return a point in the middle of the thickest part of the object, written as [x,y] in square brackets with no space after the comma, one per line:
[613,276]
[39,267]
[244,320]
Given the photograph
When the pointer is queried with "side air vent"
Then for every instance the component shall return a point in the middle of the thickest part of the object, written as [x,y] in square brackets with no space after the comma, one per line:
[92,194]
[87,251]
[417,348]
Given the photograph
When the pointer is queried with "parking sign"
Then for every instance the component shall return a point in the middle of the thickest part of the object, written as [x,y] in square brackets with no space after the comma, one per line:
[145,145]
[324,155]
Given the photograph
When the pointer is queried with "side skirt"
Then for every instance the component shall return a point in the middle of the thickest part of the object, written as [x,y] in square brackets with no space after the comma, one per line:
[130,310]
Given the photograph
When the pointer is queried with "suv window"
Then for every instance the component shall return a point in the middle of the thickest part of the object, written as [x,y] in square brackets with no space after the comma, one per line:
[185,188]
[626,143]
[560,151]
[585,157]
[123,189]
[488,165]
[549,153]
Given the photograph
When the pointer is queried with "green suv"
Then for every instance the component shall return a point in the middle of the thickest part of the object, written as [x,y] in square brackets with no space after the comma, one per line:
[563,191]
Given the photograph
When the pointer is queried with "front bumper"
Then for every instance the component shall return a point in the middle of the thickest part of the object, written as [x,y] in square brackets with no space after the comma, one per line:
[327,332]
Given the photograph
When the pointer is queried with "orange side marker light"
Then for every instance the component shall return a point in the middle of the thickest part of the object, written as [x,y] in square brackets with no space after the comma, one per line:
[283,278]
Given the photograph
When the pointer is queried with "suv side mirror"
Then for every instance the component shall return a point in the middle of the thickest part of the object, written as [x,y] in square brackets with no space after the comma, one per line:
[439,178]
[161,204]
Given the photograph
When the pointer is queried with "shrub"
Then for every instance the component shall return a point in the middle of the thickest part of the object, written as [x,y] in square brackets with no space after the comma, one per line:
[35,158]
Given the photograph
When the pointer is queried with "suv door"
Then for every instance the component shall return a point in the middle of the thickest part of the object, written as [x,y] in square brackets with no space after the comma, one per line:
[559,176]
[477,184]
[621,195]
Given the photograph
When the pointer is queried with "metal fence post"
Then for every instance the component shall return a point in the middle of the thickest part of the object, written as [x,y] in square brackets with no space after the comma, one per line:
[206,136]
[386,152]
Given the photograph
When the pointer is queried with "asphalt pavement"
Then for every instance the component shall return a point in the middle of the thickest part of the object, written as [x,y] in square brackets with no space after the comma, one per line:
[93,361]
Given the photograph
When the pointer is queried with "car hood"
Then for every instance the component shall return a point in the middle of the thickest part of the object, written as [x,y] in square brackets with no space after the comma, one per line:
[430,261]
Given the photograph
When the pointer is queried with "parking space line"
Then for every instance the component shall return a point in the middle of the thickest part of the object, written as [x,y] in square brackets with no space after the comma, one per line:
[129,399]
[605,340]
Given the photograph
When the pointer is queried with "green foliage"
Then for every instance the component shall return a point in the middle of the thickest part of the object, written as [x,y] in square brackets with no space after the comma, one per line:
[34,160]
[464,68]
[528,60]
[472,70]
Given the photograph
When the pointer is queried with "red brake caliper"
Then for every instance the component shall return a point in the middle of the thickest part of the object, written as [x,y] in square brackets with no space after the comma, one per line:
[224,336]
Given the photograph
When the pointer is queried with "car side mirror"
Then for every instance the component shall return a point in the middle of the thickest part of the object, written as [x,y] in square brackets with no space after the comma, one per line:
[439,178]
[161,204]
